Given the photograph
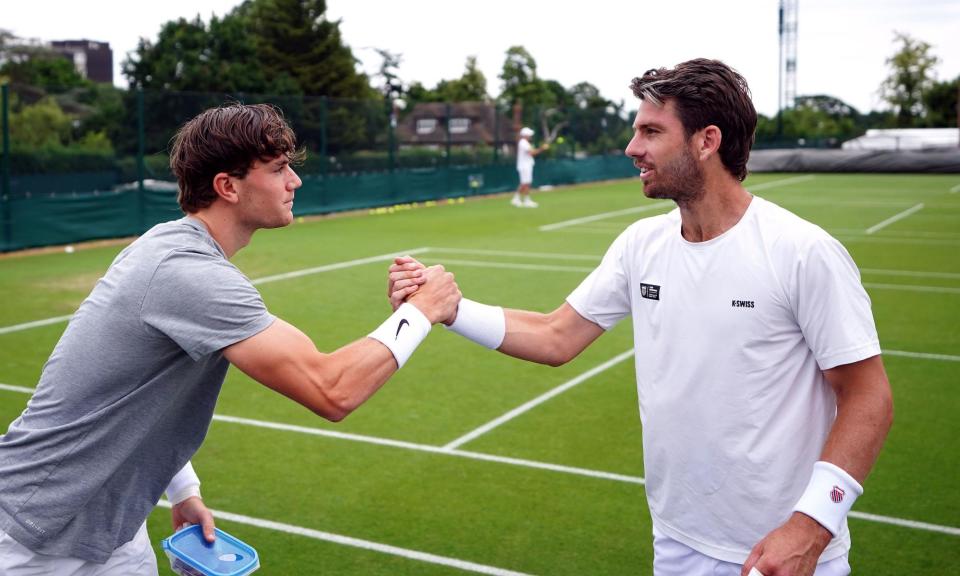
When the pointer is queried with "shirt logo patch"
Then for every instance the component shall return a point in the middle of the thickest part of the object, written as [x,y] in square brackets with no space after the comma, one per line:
[650,291]
[742,303]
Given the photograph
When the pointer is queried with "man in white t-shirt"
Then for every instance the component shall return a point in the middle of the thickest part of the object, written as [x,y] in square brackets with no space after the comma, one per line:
[525,161]
[763,397]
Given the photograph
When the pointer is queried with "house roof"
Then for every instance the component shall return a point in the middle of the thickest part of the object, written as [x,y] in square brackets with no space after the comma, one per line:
[480,126]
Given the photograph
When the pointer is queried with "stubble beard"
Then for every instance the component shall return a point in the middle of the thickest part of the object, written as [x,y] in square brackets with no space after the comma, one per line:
[680,180]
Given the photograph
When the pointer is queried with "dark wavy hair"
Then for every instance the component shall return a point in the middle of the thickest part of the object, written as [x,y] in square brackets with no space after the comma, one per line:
[707,92]
[226,139]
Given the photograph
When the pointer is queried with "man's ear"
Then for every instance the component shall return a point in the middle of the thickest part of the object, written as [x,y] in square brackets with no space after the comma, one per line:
[709,141]
[223,185]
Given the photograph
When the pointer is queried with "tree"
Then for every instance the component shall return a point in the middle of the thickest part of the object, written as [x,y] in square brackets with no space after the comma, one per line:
[36,66]
[594,121]
[190,55]
[278,47]
[911,75]
[470,87]
[940,102]
[42,125]
[520,81]
[389,65]
[294,38]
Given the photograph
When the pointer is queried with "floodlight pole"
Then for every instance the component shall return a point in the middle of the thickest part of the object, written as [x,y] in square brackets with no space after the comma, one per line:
[788,59]
[780,78]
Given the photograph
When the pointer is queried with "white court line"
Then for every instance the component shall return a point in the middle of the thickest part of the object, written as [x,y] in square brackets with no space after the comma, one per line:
[902,241]
[34,324]
[534,464]
[955,189]
[911,273]
[474,434]
[512,265]
[324,433]
[595,230]
[648,207]
[263,280]
[337,266]
[12,388]
[897,233]
[581,269]
[357,543]
[894,218]
[922,355]
[905,523]
[429,449]
[846,203]
[912,288]
[780,182]
[548,255]
[595,217]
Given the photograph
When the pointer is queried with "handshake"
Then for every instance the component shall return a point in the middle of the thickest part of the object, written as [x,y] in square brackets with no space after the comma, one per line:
[432,290]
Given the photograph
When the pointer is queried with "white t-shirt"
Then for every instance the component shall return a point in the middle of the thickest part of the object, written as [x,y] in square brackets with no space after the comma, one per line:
[731,336]
[524,157]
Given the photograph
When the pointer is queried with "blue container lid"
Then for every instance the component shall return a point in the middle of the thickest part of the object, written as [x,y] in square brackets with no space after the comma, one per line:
[226,556]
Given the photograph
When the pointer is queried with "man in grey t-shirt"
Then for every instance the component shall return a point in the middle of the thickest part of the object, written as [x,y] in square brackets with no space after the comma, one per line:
[128,393]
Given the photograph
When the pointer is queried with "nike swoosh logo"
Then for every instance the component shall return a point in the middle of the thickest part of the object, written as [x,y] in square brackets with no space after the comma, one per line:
[400,326]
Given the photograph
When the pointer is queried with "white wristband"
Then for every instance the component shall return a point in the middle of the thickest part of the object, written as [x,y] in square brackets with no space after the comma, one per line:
[184,484]
[829,496]
[403,332]
[485,325]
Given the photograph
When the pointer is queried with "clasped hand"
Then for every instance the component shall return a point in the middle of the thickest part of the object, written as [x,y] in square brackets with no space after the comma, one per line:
[432,290]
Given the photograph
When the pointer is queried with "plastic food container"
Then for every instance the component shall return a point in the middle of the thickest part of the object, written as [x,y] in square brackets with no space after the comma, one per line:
[191,555]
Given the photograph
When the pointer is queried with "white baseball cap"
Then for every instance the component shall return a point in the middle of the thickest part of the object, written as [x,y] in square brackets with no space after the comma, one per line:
[526,132]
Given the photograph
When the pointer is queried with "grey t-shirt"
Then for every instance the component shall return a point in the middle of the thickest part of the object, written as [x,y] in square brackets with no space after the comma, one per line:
[127,395]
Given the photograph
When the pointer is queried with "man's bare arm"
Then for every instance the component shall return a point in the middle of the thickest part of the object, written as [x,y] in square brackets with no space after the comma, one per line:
[331,385]
[864,416]
[554,338]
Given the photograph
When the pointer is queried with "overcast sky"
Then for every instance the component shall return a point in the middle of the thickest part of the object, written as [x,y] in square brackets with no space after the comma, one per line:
[842,44]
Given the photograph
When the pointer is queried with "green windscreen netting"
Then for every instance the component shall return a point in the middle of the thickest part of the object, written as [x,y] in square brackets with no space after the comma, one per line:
[45,210]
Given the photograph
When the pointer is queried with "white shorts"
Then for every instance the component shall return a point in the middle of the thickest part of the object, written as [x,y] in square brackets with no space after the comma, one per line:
[526,175]
[672,558]
[135,558]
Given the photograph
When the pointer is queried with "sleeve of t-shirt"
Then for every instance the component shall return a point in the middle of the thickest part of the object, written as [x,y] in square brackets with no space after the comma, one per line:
[203,303]
[604,296]
[832,307]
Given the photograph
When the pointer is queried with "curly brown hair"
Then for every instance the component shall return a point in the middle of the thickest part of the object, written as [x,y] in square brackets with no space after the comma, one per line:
[707,92]
[226,139]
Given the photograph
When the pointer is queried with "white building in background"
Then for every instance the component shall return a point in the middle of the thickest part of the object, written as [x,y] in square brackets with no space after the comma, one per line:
[906,139]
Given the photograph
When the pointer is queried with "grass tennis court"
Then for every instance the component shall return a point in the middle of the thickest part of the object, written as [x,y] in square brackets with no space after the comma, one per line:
[471,461]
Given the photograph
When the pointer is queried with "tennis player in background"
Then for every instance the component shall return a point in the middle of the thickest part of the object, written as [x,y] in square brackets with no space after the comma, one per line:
[526,155]
[128,393]
[763,397]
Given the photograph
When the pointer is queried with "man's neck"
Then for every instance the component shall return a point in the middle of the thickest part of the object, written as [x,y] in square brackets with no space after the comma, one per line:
[224,229]
[717,210]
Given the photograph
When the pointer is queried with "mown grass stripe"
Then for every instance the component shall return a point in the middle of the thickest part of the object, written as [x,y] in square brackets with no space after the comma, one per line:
[517,461]
[263,280]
